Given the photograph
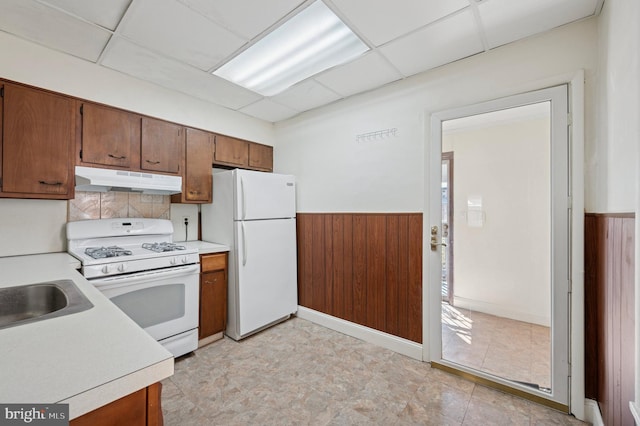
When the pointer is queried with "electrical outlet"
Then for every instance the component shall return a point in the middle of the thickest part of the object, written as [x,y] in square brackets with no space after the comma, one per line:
[185,221]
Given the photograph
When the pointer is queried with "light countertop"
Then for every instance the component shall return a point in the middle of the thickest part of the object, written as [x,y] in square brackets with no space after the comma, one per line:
[205,247]
[87,359]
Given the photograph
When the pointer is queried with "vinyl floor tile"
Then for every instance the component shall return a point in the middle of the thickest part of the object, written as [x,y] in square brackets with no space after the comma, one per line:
[299,373]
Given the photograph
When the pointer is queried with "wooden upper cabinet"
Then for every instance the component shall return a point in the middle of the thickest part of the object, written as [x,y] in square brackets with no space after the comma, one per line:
[260,157]
[162,146]
[231,152]
[197,177]
[37,144]
[110,137]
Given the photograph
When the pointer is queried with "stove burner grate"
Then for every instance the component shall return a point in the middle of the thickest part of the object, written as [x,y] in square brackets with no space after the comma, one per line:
[162,247]
[104,252]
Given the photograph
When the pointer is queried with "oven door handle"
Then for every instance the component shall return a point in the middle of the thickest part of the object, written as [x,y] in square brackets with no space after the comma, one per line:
[143,276]
[244,246]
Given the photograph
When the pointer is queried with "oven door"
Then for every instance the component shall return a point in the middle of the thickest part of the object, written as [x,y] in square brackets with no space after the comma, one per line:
[163,302]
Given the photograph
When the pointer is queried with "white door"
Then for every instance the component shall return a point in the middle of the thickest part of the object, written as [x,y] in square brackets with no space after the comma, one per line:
[512,244]
[264,195]
[267,272]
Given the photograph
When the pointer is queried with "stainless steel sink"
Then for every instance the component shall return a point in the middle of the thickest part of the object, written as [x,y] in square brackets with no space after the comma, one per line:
[37,302]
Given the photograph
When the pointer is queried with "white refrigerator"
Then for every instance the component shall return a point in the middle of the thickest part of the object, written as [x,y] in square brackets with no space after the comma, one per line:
[254,213]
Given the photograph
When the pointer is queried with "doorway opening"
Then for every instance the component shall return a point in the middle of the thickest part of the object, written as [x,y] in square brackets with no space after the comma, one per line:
[504,235]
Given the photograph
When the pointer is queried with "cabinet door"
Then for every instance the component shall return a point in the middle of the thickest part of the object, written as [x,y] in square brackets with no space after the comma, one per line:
[231,151]
[213,303]
[129,410]
[110,137]
[162,146]
[260,157]
[197,186]
[38,135]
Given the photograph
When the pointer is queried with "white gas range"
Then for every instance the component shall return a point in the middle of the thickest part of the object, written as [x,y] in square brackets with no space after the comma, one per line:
[134,263]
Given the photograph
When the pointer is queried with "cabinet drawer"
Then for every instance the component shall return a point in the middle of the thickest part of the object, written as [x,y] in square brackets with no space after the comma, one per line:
[214,262]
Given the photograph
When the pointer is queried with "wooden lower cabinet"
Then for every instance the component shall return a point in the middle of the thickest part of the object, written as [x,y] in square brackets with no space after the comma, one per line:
[141,408]
[213,297]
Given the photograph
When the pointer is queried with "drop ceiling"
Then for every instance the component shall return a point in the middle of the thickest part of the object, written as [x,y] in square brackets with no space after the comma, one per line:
[176,44]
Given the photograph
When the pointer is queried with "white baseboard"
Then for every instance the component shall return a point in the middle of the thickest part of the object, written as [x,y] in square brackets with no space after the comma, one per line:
[500,311]
[385,340]
[592,413]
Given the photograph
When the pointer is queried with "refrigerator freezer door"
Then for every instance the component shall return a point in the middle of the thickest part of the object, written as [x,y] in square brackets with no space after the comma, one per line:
[266,280]
[262,195]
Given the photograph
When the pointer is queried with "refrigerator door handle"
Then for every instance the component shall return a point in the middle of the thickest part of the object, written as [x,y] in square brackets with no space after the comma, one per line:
[244,246]
[244,199]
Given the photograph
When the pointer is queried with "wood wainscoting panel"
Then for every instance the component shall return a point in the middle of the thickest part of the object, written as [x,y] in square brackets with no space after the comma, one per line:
[609,314]
[363,267]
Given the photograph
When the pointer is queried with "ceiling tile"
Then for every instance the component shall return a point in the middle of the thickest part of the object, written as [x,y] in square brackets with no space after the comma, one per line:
[52,28]
[366,72]
[381,21]
[440,43]
[107,14]
[139,62]
[175,30]
[306,95]
[505,21]
[234,15]
[269,111]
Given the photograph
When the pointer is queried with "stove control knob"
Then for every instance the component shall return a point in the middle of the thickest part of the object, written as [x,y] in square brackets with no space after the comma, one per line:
[184,259]
[173,260]
[122,267]
[106,269]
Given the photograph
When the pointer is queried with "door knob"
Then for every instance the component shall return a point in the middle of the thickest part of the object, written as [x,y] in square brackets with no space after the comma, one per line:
[434,239]
[435,243]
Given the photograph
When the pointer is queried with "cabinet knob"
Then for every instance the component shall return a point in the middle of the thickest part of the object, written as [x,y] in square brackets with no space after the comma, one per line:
[44,182]
[117,157]
[152,162]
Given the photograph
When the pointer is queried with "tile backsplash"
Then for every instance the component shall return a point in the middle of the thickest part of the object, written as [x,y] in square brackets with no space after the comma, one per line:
[103,205]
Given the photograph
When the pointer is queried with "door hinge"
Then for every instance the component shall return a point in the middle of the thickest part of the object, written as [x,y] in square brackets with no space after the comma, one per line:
[81,154]
[81,109]
[1,92]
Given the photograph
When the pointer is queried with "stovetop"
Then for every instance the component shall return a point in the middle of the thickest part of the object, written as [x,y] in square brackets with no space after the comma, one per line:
[111,246]
[104,252]
[117,251]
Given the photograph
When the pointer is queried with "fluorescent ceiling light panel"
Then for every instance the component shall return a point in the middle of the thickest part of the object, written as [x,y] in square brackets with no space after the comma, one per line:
[310,42]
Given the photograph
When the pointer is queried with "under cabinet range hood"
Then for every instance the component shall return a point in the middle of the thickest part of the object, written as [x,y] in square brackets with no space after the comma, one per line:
[103,180]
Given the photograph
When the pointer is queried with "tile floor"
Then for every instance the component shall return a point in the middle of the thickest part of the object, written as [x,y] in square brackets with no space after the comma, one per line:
[299,373]
[508,348]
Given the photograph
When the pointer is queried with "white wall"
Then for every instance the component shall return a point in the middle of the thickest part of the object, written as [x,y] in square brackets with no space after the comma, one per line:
[32,226]
[335,173]
[611,162]
[502,267]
